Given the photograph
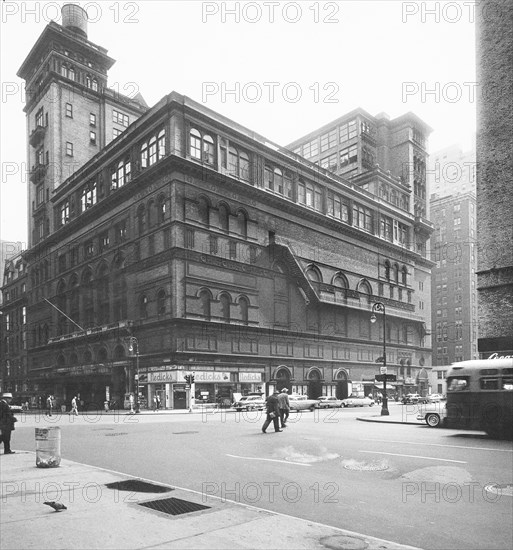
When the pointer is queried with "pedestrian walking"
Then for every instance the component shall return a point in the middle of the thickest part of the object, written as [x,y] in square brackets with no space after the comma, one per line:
[74,406]
[7,420]
[158,401]
[273,412]
[284,406]
[155,403]
[49,405]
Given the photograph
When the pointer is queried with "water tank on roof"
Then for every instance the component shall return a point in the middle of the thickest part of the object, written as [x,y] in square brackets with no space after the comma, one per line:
[74,18]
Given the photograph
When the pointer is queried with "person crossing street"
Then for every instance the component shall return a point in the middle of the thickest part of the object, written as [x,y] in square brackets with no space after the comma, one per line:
[284,406]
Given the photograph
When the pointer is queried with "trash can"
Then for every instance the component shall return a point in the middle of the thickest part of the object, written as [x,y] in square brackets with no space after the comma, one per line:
[48,447]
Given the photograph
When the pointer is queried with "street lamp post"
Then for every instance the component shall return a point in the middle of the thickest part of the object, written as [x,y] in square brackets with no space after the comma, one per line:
[134,341]
[380,306]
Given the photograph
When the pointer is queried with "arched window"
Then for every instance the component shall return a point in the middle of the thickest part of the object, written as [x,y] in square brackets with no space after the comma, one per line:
[95,85]
[396,273]
[102,356]
[141,219]
[208,149]
[62,322]
[244,309]
[88,357]
[74,300]
[88,81]
[161,209]
[143,306]
[161,302]
[103,293]
[243,223]
[223,217]
[314,274]
[205,303]
[153,149]
[340,281]
[404,274]
[387,270]
[151,213]
[195,144]
[64,70]
[203,211]
[225,307]
[71,73]
[73,359]
[365,288]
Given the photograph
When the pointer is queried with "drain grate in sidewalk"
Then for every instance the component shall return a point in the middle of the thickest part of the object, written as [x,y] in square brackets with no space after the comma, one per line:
[174,506]
[138,486]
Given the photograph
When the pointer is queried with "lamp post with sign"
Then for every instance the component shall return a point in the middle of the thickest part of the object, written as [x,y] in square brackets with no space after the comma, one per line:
[380,306]
[134,346]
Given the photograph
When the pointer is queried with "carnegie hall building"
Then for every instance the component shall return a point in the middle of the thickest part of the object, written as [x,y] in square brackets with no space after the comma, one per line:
[182,242]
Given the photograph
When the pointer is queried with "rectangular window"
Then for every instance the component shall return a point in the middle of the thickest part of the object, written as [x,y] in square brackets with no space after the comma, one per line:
[116,132]
[92,137]
[73,256]
[337,207]
[213,245]
[348,156]
[92,119]
[104,242]
[362,217]
[62,263]
[329,163]
[69,110]
[88,249]
[39,117]
[64,211]
[311,149]
[328,140]
[120,118]
[120,232]
[189,238]
[385,229]
[347,131]
[232,250]
[69,149]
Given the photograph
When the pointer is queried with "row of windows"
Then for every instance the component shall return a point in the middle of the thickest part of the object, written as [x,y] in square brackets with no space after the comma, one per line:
[226,306]
[69,71]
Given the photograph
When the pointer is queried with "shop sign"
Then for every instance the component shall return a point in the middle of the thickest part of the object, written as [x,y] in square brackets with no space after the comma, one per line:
[250,377]
[163,376]
[501,355]
[211,376]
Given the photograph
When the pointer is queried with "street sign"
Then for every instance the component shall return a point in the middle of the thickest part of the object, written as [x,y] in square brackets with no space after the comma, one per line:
[383,370]
[388,377]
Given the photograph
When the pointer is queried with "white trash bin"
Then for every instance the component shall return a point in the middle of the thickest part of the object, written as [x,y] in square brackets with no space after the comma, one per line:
[48,447]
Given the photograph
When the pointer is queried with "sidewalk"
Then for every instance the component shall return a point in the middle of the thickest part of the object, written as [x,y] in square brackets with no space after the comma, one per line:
[399,414]
[100,517]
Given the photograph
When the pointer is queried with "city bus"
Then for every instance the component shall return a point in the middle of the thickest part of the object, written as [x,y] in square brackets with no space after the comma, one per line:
[480,396]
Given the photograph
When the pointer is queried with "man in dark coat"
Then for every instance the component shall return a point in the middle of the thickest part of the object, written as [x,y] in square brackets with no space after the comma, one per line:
[273,412]
[7,421]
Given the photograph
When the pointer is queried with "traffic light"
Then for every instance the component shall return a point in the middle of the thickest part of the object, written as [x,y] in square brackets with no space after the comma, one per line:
[188,378]
[191,377]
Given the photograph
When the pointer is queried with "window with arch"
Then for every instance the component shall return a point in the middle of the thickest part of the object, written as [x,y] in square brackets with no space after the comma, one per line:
[94,85]
[244,309]
[121,173]
[153,149]
[243,223]
[62,322]
[387,270]
[141,219]
[161,302]
[396,273]
[205,299]
[224,220]
[203,211]
[103,294]
[143,306]
[310,195]
[88,357]
[365,288]
[238,163]
[102,355]
[151,213]
[404,276]
[225,301]
[340,281]
[201,146]
[278,181]
[161,209]
[314,274]
[74,300]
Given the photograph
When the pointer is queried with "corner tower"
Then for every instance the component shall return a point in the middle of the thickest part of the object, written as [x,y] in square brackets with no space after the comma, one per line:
[71,113]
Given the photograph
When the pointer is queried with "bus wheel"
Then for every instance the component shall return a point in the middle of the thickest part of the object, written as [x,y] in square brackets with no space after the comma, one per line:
[432,420]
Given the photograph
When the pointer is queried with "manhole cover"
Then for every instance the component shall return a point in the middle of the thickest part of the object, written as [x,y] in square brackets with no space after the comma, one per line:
[116,433]
[181,433]
[174,506]
[343,542]
[365,466]
[504,489]
[138,486]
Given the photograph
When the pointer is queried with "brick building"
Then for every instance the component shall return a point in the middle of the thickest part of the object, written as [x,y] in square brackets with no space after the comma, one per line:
[190,244]
[494,41]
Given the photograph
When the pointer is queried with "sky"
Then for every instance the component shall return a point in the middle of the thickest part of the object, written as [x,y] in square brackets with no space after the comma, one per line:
[281,69]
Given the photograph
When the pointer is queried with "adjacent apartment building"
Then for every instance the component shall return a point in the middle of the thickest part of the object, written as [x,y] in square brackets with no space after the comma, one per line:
[190,244]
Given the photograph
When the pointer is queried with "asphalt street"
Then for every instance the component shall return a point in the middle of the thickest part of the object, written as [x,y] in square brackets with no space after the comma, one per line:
[431,488]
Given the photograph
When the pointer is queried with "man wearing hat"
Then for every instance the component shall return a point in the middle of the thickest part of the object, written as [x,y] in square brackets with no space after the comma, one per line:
[273,412]
[284,405]
[7,421]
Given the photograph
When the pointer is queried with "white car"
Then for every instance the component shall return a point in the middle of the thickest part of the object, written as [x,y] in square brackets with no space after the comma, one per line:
[436,398]
[357,401]
[250,403]
[328,402]
[434,414]
[302,403]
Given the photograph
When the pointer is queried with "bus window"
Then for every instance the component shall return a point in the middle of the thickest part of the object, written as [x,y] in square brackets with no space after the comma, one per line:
[489,372]
[457,384]
[489,383]
[507,384]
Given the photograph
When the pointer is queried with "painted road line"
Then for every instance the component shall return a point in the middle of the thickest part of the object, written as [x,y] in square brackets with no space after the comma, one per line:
[269,460]
[441,445]
[415,456]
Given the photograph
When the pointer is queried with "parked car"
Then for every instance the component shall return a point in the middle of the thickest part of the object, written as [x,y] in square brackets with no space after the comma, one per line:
[302,403]
[436,398]
[434,414]
[411,399]
[250,403]
[16,408]
[328,402]
[357,401]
